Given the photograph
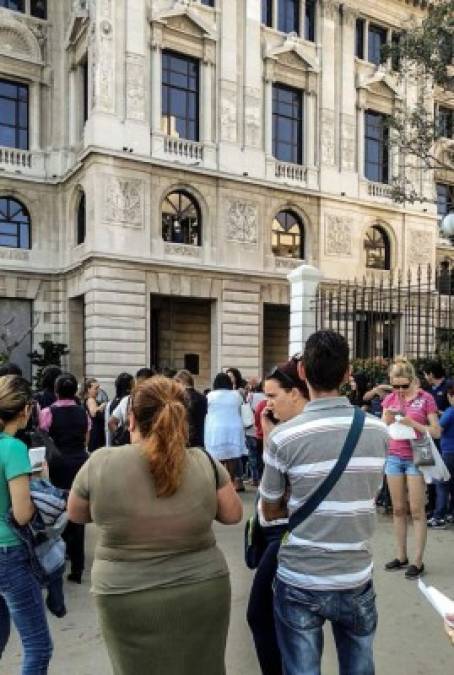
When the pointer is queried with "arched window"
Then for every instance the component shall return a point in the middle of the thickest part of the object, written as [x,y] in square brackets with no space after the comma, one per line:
[14,224]
[378,248]
[81,225]
[288,235]
[181,221]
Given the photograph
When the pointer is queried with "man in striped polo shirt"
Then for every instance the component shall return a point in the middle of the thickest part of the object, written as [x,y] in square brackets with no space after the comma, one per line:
[325,566]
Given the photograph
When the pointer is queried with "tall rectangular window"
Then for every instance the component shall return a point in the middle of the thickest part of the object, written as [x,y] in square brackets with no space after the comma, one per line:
[38,8]
[395,58]
[359,44]
[208,3]
[445,200]
[288,20]
[446,122]
[84,67]
[180,96]
[287,124]
[13,115]
[376,165]
[267,13]
[16,5]
[376,41]
[309,21]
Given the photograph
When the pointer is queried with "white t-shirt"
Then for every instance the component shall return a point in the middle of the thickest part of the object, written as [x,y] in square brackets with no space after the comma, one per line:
[120,413]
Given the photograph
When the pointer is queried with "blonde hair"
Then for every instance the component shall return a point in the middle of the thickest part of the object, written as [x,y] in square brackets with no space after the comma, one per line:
[15,394]
[402,367]
[158,404]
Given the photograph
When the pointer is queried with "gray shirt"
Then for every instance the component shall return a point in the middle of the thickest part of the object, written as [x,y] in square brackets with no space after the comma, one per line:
[330,550]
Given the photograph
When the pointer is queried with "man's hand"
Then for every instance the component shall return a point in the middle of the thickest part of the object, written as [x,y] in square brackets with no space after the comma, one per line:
[267,424]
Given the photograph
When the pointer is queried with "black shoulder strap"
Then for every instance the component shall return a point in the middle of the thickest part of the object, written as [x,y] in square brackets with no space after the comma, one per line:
[215,468]
[330,481]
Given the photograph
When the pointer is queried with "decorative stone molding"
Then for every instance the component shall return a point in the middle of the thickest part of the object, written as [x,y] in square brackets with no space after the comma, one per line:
[421,246]
[287,263]
[292,58]
[184,250]
[103,59]
[228,112]
[348,145]
[330,8]
[241,219]
[338,236]
[327,136]
[17,41]
[135,86]
[123,201]
[382,77]
[349,15]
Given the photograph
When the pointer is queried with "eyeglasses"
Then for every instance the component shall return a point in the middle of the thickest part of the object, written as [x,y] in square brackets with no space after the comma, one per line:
[402,386]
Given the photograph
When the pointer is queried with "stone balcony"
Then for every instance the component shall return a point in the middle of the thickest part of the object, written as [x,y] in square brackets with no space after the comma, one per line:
[370,190]
[286,172]
[16,161]
[183,151]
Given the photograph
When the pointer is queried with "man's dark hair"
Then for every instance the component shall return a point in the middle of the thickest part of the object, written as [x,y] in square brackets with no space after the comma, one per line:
[145,373]
[123,384]
[50,374]
[10,369]
[66,386]
[435,368]
[239,381]
[326,360]
[222,381]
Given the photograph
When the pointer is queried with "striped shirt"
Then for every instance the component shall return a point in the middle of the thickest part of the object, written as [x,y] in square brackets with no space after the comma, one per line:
[330,550]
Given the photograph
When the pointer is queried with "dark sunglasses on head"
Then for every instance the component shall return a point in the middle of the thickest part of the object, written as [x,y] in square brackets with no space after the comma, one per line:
[401,386]
[277,374]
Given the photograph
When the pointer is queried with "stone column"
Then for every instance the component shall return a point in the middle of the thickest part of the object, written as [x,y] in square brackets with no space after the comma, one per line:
[311,122]
[304,281]
[206,102]
[35,117]
[360,149]
[156,88]
[302,18]
[268,131]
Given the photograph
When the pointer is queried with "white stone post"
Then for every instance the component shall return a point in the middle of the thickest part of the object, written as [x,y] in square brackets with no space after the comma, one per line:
[268,118]
[304,281]
[156,95]
[206,103]
[35,117]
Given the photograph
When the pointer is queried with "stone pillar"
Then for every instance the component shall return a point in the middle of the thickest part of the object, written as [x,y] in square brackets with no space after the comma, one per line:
[311,126]
[304,282]
[360,150]
[74,107]
[35,117]
[207,104]
[156,88]
[268,118]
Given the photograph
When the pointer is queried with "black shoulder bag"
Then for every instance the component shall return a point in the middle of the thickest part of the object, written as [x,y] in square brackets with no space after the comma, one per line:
[255,542]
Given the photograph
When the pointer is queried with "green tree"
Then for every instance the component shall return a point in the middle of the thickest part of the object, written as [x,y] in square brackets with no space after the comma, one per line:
[52,354]
[425,57]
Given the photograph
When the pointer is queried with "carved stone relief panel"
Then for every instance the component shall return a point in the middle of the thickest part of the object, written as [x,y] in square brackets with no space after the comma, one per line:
[327,133]
[103,59]
[348,143]
[135,86]
[123,201]
[338,236]
[421,246]
[241,221]
[183,250]
[253,113]
[228,112]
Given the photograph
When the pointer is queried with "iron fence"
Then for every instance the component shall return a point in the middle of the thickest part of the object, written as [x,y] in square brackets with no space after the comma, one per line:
[384,315]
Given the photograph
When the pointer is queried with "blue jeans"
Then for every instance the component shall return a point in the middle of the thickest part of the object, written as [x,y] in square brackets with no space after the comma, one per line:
[399,466]
[445,489]
[21,599]
[300,615]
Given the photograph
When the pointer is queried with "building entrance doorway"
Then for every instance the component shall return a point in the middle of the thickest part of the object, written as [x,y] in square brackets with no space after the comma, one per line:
[180,336]
[276,327]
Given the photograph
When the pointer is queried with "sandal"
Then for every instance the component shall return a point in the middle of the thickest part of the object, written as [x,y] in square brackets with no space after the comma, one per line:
[396,564]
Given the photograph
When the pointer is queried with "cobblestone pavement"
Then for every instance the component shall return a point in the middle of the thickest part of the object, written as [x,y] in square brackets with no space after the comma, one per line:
[410,639]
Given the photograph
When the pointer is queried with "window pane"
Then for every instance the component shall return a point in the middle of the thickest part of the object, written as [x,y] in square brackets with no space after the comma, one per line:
[38,8]
[359,51]
[17,5]
[22,140]
[14,224]
[287,124]
[7,137]
[377,39]
[288,17]
[23,115]
[309,21]
[208,3]
[7,111]
[267,12]
[180,95]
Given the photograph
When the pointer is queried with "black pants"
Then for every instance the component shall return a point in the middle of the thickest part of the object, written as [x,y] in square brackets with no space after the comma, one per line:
[74,536]
[260,615]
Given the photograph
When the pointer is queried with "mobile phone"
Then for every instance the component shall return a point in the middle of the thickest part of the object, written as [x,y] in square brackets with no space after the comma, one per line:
[271,417]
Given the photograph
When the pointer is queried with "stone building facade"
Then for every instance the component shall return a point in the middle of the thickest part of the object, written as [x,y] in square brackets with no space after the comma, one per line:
[174,160]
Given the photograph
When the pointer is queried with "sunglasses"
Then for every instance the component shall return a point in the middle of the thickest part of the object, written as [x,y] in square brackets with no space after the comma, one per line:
[402,386]
[282,377]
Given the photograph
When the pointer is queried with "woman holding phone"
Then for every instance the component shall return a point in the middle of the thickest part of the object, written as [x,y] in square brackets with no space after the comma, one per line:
[20,593]
[414,408]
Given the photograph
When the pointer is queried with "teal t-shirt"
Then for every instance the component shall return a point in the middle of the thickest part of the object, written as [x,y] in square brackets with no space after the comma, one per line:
[14,462]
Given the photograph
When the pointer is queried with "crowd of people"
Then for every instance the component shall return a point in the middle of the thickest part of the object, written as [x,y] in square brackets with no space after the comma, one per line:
[154,466]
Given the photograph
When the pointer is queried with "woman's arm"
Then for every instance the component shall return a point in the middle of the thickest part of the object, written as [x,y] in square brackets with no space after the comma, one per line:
[93,407]
[433,428]
[22,505]
[230,507]
[78,509]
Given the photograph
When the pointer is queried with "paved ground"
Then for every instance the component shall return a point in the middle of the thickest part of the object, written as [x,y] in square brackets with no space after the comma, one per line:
[410,639]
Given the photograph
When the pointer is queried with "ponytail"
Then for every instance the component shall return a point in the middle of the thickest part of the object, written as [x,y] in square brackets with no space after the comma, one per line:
[159,407]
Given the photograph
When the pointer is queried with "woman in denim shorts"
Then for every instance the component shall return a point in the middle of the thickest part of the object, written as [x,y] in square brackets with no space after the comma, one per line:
[417,409]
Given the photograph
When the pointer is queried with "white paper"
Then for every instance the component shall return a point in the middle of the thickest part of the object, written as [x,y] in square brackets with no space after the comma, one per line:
[440,602]
[400,432]
[37,457]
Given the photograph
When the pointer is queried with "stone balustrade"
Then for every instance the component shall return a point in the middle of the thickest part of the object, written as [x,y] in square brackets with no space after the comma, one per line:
[292,172]
[182,148]
[12,158]
[379,190]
